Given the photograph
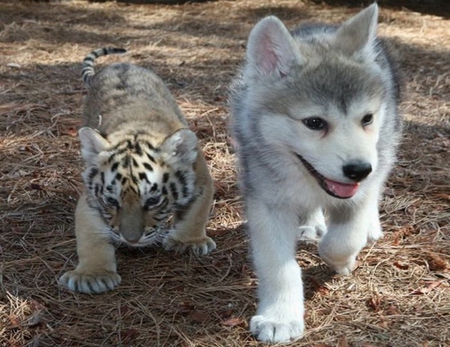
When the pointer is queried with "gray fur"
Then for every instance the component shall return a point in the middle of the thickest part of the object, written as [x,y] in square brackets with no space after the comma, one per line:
[123,93]
[143,165]
[87,71]
[329,82]
[291,172]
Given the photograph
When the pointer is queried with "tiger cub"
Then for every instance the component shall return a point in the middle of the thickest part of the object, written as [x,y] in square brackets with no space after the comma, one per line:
[143,165]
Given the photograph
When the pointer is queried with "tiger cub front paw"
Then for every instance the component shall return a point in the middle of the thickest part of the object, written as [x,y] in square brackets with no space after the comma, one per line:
[201,246]
[90,282]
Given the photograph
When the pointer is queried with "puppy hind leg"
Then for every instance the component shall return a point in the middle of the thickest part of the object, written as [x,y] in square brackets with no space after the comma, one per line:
[314,227]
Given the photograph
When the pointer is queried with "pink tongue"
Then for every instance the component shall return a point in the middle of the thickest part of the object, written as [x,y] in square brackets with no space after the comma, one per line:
[342,190]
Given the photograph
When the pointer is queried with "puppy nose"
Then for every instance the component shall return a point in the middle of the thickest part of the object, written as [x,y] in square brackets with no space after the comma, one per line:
[357,170]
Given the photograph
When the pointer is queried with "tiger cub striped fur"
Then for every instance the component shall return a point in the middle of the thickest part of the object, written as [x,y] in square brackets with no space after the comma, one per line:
[143,165]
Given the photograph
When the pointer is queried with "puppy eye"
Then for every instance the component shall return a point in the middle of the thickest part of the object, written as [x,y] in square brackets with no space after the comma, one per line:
[367,119]
[315,123]
[112,201]
[152,202]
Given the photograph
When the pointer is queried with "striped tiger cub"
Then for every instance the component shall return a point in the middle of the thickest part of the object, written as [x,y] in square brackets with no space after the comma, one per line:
[143,166]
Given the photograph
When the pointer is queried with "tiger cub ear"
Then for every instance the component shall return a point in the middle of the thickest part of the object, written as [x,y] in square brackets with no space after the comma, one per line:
[181,146]
[92,143]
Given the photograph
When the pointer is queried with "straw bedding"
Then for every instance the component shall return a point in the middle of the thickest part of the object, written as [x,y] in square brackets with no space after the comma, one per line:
[398,296]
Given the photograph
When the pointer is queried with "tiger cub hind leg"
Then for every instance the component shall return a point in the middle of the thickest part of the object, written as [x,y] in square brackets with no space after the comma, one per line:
[96,271]
[188,231]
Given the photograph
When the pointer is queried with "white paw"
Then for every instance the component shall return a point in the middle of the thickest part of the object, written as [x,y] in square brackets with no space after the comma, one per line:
[341,266]
[270,330]
[200,246]
[312,233]
[375,233]
[90,282]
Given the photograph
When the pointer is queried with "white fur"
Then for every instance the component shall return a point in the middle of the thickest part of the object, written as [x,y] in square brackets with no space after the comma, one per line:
[266,52]
[180,147]
[280,311]
[92,143]
[284,202]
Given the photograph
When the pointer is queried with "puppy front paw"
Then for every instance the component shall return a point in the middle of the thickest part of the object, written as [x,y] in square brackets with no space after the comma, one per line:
[375,233]
[268,329]
[341,266]
[90,282]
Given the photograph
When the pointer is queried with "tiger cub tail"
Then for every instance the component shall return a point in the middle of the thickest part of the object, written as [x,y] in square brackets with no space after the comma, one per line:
[87,71]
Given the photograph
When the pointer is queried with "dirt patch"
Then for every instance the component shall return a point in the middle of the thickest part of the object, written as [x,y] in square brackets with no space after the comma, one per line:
[398,296]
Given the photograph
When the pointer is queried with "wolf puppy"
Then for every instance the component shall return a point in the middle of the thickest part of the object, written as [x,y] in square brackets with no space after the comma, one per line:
[316,125]
[143,165]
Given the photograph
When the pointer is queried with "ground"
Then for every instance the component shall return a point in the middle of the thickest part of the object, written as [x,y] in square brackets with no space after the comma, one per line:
[398,296]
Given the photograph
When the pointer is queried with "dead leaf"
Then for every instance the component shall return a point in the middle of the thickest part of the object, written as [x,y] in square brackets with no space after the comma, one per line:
[436,263]
[427,288]
[36,306]
[374,303]
[392,310]
[199,316]
[319,288]
[396,240]
[125,310]
[401,234]
[14,321]
[231,322]
[35,186]
[69,131]
[443,196]
[384,323]
[225,314]
[342,342]
[403,265]
[129,334]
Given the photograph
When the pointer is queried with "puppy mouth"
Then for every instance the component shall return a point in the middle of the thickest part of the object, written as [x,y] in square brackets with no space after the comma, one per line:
[335,189]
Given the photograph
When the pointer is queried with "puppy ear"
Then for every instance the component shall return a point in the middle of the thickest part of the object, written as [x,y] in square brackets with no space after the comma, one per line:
[92,144]
[271,49]
[357,36]
[181,146]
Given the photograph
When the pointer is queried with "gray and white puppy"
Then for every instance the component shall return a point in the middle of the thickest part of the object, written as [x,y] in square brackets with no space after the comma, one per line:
[317,129]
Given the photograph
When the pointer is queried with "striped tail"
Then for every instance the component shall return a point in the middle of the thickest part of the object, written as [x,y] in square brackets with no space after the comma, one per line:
[87,71]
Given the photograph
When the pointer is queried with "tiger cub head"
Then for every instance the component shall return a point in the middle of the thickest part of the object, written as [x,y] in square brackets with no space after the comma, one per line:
[135,183]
